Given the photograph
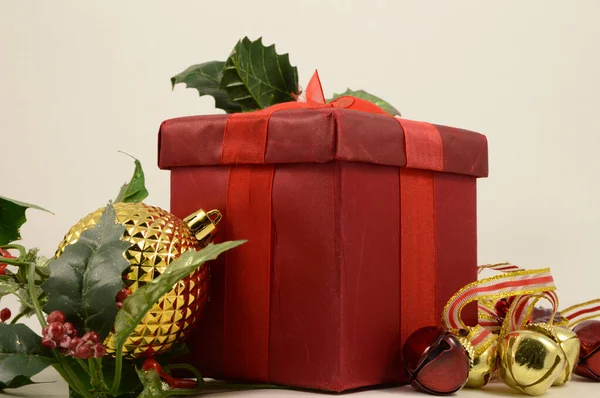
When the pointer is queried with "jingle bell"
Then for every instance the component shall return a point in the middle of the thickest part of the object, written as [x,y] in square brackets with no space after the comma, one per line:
[530,362]
[483,365]
[567,340]
[158,237]
[589,357]
[435,360]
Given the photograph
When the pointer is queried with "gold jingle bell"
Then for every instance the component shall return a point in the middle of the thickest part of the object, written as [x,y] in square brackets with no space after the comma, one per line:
[530,362]
[158,237]
[483,365]
[568,341]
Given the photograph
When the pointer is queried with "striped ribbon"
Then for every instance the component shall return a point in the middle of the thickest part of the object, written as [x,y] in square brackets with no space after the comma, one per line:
[522,306]
[582,312]
[526,286]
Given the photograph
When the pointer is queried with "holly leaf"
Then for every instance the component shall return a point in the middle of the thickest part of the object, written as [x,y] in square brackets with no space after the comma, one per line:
[362,94]
[143,299]
[85,279]
[206,78]
[135,191]
[12,217]
[257,77]
[22,356]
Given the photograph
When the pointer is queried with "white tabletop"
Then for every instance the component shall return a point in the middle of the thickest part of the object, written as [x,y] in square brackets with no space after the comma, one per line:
[578,387]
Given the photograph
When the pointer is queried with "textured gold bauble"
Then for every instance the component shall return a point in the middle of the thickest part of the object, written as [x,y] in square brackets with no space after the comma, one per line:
[530,362]
[157,237]
[567,341]
[484,366]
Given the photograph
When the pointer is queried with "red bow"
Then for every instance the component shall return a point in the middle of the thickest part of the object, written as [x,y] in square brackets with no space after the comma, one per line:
[316,99]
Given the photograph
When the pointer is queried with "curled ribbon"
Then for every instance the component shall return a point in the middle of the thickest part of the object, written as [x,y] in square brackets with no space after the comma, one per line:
[525,287]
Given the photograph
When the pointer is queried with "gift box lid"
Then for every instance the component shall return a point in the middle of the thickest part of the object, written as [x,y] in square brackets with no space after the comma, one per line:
[318,136]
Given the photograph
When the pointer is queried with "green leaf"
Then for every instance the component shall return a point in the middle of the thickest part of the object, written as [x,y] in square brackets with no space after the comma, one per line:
[206,78]
[22,356]
[142,300]
[371,98]
[12,217]
[8,286]
[135,191]
[85,279]
[257,77]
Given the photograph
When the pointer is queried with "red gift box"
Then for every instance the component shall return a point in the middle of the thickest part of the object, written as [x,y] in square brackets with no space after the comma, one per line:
[360,227]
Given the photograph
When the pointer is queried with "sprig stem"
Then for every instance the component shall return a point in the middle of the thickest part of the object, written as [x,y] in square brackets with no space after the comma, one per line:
[97,378]
[12,261]
[33,297]
[19,316]
[189,368]
[61,365]
[118,369]
[21,249]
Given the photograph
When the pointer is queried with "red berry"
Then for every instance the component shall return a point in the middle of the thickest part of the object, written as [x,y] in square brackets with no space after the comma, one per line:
[56,316]
[48,342]
[45,331]
[91,336]
[5,254]
[99,350]
[83,351]
[502,307]
[75,342]
[56,331]
[70,329]
[121,296]
[65,342]
[5,315]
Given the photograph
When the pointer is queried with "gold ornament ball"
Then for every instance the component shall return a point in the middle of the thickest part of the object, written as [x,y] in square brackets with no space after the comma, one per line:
[530,362]
[483,366]
[157,238]
[568,341]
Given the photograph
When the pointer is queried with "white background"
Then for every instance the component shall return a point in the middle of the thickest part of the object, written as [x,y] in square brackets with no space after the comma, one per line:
[81,80]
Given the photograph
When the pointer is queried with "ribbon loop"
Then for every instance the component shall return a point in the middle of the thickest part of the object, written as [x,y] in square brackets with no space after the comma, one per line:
[515,283]
[582,312]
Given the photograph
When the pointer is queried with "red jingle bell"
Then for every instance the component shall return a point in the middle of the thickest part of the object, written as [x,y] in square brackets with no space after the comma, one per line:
[589,355]
[436,361]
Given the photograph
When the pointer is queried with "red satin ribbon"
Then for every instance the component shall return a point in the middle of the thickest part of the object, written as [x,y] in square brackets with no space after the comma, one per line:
[248,269]
[418,276]
[423,145]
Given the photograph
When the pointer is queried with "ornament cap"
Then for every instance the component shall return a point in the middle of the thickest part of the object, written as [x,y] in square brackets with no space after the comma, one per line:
[204,225]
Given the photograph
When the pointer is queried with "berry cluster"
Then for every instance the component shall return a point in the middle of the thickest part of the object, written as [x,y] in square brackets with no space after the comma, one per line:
[63,335]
